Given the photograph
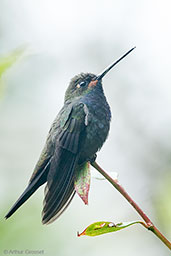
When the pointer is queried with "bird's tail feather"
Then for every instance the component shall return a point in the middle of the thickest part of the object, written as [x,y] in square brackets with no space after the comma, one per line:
[39,180]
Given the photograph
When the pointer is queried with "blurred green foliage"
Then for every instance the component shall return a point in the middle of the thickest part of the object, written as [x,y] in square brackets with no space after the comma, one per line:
[7,61]
[162,202]
[28,233]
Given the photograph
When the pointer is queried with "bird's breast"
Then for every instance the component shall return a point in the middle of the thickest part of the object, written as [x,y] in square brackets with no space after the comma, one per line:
[98,125]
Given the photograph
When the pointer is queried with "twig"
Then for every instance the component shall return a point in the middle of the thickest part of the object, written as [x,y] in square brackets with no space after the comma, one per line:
[149,224]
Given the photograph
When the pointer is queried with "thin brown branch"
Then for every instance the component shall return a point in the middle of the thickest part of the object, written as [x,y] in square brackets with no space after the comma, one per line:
[149,224]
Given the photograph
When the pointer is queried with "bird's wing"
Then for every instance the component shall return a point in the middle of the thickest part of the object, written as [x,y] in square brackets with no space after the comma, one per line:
[48,150]
[60,180]
[41,170]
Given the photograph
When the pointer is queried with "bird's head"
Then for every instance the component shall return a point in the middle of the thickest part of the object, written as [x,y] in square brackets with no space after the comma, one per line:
[80,85]
[86,82]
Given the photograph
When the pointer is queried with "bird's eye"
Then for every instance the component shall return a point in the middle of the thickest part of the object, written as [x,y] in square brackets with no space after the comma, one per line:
[82,84]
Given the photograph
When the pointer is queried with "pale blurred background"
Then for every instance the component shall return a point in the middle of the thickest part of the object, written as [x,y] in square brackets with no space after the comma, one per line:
[63,38]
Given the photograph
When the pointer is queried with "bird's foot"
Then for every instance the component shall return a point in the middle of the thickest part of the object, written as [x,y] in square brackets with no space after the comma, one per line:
[92,159]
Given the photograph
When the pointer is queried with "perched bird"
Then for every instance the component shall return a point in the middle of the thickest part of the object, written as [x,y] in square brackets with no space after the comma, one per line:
[77,133]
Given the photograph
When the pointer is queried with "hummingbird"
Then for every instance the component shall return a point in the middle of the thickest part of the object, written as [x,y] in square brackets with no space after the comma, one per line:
[77,133]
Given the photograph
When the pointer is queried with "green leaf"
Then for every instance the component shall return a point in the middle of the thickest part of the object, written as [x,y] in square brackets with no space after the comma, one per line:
[82,181]
[103,227]
[7,61]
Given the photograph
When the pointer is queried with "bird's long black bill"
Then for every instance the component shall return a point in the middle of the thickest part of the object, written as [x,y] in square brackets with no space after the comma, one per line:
[100,76]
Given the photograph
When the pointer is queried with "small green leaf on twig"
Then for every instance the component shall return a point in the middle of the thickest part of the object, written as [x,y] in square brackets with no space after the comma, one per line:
[82,181]
[103,227]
